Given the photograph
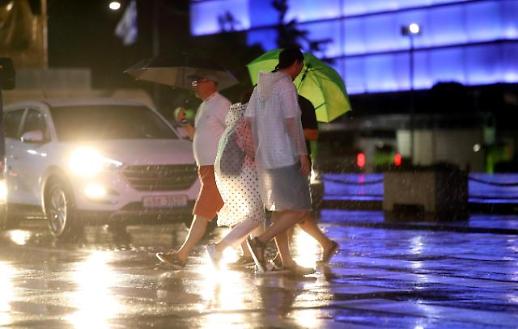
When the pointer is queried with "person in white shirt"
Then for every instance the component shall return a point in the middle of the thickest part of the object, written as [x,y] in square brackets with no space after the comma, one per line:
[281,157]
[209,124]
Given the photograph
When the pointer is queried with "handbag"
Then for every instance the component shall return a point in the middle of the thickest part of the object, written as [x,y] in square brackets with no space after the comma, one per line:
[232,156]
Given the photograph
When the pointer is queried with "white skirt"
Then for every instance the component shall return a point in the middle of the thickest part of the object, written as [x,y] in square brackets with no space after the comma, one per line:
[241,197]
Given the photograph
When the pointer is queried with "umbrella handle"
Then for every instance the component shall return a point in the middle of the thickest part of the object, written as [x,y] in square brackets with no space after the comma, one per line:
[304,76]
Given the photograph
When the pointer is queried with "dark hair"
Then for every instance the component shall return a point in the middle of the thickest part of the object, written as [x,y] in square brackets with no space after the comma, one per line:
[288,56]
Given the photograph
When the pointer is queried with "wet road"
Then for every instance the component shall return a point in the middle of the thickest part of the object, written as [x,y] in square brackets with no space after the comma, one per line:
[382,278]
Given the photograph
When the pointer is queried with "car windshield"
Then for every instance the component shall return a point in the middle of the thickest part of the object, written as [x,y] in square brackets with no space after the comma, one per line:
[109,122]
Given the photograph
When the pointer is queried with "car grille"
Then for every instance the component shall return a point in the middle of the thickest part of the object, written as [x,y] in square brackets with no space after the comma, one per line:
[160,177]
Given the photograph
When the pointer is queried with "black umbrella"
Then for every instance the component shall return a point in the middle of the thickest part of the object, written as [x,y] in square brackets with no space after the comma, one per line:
[180,71]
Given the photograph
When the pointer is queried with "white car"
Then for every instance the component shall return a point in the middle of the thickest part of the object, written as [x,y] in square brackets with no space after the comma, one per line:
[98,161]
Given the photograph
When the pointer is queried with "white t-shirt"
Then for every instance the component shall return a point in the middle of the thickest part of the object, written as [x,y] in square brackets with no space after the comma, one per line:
[273,101]
[210,124]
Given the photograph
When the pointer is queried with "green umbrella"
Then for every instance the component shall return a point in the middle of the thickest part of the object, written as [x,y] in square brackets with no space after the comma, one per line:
[318,82]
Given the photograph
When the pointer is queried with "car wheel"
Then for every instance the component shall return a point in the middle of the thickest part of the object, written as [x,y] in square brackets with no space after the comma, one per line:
[61,213]
[7,220]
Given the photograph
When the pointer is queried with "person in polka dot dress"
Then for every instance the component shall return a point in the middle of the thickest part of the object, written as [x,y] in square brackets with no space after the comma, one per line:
[243,209]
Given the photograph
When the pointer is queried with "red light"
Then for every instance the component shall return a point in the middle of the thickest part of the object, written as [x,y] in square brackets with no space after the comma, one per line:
[360,160]
[398,160]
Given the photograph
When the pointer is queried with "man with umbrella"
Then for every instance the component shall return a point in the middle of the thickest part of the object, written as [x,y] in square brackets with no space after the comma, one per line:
[209,124]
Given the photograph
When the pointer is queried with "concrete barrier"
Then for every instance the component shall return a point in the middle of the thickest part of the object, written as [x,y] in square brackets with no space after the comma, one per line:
[432,193]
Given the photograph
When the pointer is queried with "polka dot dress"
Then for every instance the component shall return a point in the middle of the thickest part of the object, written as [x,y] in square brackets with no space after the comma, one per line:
[240,193]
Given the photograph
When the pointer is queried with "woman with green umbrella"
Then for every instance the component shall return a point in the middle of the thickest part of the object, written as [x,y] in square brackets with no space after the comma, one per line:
[281,157]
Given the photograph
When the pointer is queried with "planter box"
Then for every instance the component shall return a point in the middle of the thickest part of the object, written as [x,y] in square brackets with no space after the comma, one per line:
[429,194]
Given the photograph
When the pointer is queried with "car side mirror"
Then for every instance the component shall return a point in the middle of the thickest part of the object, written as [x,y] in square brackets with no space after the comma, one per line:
[33,136]
[7,74]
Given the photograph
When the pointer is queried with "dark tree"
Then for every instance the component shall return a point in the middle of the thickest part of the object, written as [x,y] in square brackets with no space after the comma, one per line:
[289,34]
[227,22]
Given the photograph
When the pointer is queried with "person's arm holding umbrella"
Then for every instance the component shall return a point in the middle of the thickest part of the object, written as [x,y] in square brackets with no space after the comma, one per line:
[309,122]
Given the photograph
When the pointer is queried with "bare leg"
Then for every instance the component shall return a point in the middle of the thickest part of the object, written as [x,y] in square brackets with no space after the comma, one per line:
[309,225]
[237,234]
[288,263]
[282,221]
[244,246]
[283,246]
[196,233]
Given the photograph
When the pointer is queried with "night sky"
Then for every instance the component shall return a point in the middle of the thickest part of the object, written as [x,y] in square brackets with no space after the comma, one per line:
[81,34]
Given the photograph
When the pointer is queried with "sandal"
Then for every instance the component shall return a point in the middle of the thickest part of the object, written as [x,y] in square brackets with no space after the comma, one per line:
[277,260]
[329,253]
[257,250]
[171,259]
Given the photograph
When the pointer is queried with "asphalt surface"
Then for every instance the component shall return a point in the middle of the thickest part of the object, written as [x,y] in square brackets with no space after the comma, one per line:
[408,275]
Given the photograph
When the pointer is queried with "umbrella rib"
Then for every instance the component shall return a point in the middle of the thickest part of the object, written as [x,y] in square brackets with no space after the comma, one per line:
[318,82]
[320,87]
[319,106]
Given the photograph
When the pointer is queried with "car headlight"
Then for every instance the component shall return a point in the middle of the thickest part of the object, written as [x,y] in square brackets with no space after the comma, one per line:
[88,162]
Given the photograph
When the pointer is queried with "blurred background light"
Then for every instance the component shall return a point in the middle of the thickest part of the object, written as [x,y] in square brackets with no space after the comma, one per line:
[114,5]
[414,28]
[465,41]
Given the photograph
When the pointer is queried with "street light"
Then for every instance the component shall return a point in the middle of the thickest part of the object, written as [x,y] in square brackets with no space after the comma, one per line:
[411,31]
[114,5]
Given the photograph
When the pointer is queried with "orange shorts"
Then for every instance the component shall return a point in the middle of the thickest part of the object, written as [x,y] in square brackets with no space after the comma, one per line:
[209,201]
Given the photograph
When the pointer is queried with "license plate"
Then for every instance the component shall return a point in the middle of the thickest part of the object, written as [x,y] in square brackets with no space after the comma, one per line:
[164,201]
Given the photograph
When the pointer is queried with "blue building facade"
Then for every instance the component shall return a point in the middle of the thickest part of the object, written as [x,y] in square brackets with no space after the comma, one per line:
[473,42]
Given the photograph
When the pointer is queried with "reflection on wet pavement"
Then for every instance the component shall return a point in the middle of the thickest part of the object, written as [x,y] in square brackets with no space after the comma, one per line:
[383,278]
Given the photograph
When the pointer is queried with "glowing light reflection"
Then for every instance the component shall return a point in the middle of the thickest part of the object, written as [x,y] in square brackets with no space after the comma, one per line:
[315,294]
[429,311]
[95,191]
[230,255]
[222,290]
[7,292]
[19,237]
[3,191]
[306,247]
[95,303]
[309,318]
[416,245]
[416,248]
